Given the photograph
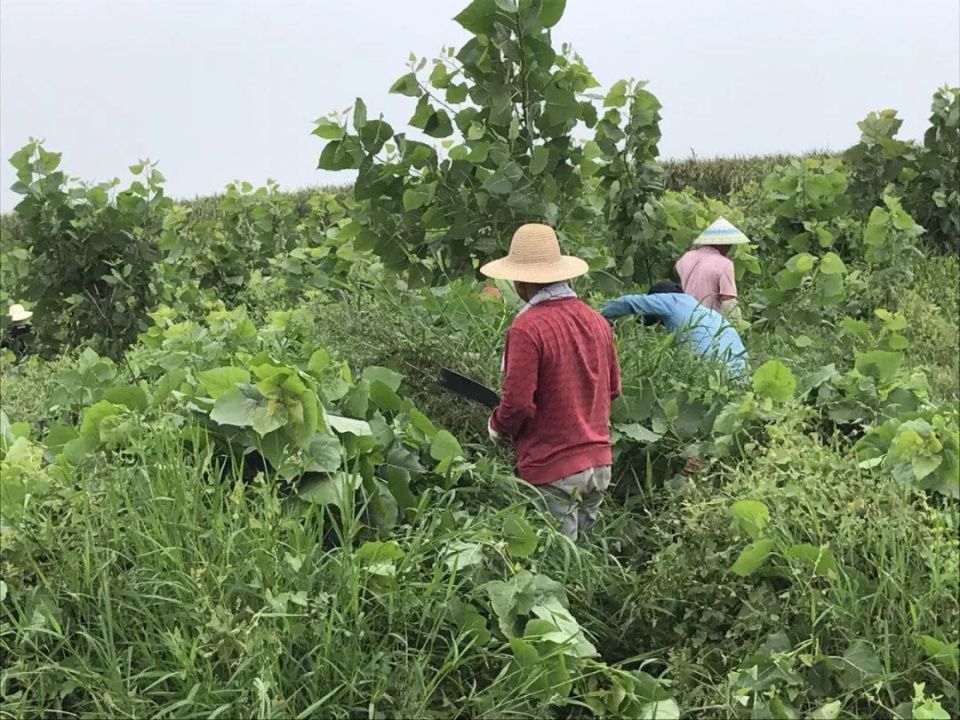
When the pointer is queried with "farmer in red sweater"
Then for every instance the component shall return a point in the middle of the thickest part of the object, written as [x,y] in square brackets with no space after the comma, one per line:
[560,374]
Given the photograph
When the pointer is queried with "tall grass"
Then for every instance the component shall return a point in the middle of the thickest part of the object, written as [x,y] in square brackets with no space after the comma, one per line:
[173,589]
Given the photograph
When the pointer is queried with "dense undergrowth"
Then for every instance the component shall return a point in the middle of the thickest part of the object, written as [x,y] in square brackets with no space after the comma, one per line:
[230,486]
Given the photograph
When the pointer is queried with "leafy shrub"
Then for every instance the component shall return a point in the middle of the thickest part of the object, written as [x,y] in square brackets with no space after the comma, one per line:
[808,199]
[918,448]
[514,103]
[807,290]
[91,255]
[925,178]
[937,200]
[879,160]
[254,232]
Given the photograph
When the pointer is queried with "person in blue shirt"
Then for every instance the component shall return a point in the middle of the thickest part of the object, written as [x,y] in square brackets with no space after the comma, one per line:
[706,331]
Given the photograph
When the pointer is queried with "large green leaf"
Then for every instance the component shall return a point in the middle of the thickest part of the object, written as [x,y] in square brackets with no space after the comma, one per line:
[342,154]
[751,516]
[217,381]
[322,454]
[752,557]
[401,457]
[801,263]
[827,711]
[384,397]
[880,364]
[59,436]
[444,447]
[875,233]
[457,93]
[617,96]
[538,160]
[406,85]
[319,361]
[268,416]
[388,377]
[338,489]
[560,627]
[860,665]
[551,11]
[560,105]
[77,449]
[520,536]
[438,125]
[469,621]
[774,380]
[360,428]
[374,134]
[236,406]
[649,699]
[636,431]
[130,396]
[376,552]
[478,17]
[831,264]
[516,597]
[413,198]
[459,555]
[821,559]
[940,652]
[94,416]
[498,184]
[328,130]
[421,423]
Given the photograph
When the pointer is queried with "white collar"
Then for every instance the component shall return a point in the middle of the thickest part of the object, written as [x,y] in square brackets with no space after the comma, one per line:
[555,291]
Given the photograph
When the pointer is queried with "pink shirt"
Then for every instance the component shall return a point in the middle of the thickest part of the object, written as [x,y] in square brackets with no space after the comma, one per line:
[706,274]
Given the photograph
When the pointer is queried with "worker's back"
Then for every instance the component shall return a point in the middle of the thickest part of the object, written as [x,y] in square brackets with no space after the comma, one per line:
[566,348]
[706,274]
[706,329]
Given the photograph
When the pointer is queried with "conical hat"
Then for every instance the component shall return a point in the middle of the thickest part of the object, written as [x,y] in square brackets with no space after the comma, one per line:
[721,232]
[18,313]
[535,258]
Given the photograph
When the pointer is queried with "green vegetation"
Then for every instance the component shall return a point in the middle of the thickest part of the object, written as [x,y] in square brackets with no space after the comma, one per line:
[229,486]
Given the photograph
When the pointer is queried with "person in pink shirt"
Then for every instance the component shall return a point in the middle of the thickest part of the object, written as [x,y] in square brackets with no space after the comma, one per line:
[706,272]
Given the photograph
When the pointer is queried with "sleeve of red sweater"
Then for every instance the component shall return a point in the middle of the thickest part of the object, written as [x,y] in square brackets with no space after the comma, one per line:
[519,384]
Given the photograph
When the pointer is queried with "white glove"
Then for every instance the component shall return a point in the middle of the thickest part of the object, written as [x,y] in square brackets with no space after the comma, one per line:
[495,437]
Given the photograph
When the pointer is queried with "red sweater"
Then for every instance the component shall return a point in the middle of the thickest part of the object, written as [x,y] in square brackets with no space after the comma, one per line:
[561,374]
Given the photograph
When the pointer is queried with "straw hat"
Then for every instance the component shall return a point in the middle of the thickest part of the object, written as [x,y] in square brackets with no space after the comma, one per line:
[721,232]
[18,313]
[535,257]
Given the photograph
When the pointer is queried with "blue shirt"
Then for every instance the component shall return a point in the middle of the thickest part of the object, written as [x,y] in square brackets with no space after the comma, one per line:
[705,330]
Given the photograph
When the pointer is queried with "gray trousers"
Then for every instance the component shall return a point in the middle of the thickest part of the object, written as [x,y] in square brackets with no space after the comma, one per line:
[575,499]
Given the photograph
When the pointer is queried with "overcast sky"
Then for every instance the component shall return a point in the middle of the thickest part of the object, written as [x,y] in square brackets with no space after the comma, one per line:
[226,89]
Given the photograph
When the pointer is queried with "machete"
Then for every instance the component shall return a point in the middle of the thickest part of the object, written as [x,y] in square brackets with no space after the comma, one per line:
[467,388]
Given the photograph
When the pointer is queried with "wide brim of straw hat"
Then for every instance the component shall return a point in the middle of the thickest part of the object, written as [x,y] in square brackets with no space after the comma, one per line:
[566,267]
[535,257]
[18,313]
[722,232]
